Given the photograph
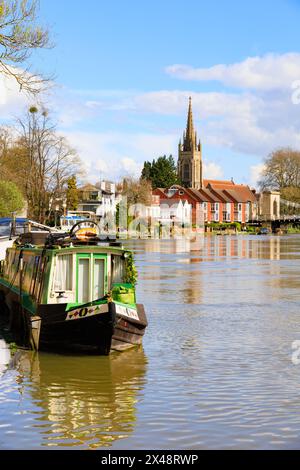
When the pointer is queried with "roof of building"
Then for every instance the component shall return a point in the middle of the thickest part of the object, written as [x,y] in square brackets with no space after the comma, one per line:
[199,195]
[218,183]
[241,193]
[213,191]
[159,192]
[173,202]
[220,194]
[89,187]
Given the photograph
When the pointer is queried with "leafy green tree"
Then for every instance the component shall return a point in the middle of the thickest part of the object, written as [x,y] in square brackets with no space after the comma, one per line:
[162,173]
[72,194]
[146,172]
[11,199]
[19,37]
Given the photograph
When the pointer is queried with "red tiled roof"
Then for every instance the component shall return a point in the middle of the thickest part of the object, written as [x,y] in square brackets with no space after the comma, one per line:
[159,192]
[221,194]
[241,193]
[194,193]
[212,197]
[204,195]
[245,193]
[213,191]
[218,183]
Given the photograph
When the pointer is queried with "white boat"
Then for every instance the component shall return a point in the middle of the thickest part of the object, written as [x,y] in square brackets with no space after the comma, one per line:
[9,234]
[5,242]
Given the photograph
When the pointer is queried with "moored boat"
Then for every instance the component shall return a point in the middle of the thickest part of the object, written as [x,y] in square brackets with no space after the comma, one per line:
[71,291]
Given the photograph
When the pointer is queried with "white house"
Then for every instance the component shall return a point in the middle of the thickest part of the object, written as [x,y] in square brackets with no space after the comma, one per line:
[176,210]
[100,199]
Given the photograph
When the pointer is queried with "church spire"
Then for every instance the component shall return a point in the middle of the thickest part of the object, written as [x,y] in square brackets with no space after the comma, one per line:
[190,155]
[189,134]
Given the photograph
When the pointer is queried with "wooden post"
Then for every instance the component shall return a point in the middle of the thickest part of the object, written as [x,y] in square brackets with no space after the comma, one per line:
[35,332]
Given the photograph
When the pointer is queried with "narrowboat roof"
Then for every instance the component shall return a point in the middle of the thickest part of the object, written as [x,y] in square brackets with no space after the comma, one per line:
[101,248]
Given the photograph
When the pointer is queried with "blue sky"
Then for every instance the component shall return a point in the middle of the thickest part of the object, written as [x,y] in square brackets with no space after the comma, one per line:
[125,70]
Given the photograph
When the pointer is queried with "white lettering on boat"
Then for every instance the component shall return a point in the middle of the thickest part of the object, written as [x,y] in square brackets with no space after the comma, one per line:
[87,312]
[127,312]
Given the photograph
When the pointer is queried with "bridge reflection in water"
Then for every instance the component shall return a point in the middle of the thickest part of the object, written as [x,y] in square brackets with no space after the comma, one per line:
[82,402]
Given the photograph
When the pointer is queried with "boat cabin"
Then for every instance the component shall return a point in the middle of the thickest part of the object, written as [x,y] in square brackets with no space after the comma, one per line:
[72,275]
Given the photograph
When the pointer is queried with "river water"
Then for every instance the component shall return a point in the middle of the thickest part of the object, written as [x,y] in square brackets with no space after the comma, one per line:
[216,369]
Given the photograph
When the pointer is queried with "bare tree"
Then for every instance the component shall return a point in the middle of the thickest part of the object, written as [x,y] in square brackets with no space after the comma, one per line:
[136,191]
[19,37]
[49,161]
[282,170]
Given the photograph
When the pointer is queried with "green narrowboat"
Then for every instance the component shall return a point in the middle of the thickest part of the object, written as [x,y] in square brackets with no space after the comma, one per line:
[71,291]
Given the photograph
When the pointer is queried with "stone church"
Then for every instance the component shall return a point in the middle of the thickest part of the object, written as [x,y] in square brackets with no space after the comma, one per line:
[190,156]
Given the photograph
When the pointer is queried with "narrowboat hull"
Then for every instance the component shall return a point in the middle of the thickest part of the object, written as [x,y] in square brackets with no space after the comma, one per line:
[91,328]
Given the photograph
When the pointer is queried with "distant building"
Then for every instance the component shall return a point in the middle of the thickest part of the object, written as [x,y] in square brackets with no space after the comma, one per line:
[190,156]
[233,203]
[210,200]
[269,205]
[176,210]
[100,199]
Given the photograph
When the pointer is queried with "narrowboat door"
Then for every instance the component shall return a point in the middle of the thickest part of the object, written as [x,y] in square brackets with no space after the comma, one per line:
[91,277]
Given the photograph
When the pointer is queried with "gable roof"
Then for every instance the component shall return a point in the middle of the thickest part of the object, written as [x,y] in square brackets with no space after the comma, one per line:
[221,194]
[218,183]
[173,202]
[89,187]
[210,196]
[241,194]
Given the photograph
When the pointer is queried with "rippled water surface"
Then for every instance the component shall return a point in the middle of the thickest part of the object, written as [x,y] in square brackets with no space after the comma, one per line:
[216,369]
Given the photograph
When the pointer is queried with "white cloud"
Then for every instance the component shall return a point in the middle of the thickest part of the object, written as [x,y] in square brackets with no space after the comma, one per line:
[149,124]
[102,166]
[212,171]
[131,168]
[256,173]
[12,100]
[106,155]
[271,71]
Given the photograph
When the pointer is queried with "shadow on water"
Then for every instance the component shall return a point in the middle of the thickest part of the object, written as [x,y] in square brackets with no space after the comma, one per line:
[79,401]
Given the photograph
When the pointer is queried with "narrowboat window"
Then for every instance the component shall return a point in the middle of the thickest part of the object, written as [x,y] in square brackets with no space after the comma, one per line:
[64,273]
[117,269]
[83,286]
[98,279]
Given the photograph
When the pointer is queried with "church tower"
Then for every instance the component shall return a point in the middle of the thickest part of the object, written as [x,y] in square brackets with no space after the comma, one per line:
[190,156]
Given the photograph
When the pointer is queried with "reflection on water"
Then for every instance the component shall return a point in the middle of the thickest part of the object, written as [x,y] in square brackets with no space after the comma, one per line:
[216,373]
[216,247]
[218,269]
[82,402]
[5,356]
